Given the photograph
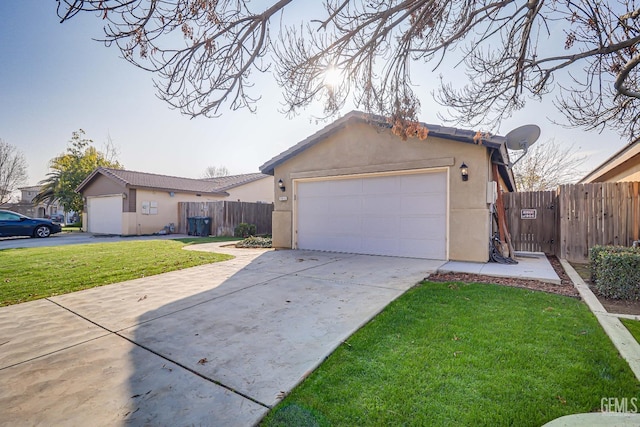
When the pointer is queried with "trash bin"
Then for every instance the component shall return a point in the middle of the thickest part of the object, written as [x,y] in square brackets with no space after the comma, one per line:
[191,226]
[203,226]
[199,226]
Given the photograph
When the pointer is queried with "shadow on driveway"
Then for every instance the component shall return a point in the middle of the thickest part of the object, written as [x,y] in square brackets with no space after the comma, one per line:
[212,345]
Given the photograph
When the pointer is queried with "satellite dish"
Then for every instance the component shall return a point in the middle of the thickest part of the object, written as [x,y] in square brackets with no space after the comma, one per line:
[522,138]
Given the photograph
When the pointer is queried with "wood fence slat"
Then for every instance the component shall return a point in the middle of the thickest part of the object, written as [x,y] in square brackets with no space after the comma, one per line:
[226,215]
[584,215]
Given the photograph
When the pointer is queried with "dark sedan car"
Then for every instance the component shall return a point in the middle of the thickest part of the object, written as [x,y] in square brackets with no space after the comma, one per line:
[15,224]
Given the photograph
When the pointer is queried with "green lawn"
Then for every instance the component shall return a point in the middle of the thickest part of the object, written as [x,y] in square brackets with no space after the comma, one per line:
[633,326]
[34,273]
[464,355]
[211,239]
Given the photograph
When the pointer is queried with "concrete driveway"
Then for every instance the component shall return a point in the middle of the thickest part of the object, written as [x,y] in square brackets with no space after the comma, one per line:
[212,345]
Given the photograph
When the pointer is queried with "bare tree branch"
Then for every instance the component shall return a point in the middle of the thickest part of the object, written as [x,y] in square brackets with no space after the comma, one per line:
[548,165]
[206,52]
[13,170]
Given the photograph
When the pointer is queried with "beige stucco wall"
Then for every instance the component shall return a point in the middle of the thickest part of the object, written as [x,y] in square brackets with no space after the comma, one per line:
[101,185]
[625,173]
[259,191]
[136,223]
[361,148]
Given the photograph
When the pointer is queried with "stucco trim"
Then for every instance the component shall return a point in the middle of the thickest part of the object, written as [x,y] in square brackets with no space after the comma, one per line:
[618,160]
[419,166]
[444,169]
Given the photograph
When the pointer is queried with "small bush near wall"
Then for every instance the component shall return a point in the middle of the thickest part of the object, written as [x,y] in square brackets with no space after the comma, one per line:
[244,230]
[616,271]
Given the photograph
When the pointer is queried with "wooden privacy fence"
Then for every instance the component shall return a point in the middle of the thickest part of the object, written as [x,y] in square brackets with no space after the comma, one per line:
[226,215]
[597,214]
[569,221]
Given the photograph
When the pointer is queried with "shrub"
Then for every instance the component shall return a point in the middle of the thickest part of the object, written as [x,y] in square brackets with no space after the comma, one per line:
[616,271]
[244,230]
[255,242]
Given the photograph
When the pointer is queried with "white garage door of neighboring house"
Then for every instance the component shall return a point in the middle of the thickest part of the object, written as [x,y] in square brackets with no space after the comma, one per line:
[104,214]
[397,215]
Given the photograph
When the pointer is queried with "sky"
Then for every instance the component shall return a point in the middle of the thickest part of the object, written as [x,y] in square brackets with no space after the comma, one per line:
[55,79]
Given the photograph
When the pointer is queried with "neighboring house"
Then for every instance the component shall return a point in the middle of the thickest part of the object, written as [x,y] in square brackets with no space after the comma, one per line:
[132,203]
[356,187]
[26,206]
[622,166]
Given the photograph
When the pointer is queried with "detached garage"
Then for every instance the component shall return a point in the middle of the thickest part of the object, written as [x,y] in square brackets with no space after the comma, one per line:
[356,187]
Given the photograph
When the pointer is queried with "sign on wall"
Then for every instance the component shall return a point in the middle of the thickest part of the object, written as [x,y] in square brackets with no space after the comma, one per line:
[528,213]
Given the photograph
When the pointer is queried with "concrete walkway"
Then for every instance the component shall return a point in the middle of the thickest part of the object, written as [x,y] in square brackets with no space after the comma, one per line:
[531,265]
[212,345]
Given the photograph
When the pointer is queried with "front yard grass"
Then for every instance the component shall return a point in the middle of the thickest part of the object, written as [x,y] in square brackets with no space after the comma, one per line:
[633,326]
[34,273]
[209,239]
[464,355]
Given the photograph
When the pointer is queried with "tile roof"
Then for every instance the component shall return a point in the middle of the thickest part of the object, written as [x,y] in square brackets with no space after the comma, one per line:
[173,183]
[224,183]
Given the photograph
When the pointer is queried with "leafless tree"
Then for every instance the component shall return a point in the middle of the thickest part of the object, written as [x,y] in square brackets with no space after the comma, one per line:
[548,165]
[205,53]
[13,170]
[216,172]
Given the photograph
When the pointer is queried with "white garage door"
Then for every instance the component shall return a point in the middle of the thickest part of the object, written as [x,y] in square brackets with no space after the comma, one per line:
[397,215]
[104,214]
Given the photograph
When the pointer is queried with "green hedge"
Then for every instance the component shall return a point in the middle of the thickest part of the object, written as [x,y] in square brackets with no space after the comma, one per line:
[244,230]
[615,271]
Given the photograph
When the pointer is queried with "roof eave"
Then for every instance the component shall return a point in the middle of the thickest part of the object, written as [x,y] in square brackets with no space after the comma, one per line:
[625,153]
[453,134]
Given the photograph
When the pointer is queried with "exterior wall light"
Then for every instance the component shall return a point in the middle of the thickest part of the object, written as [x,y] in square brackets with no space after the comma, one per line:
[464,171]
[281,185]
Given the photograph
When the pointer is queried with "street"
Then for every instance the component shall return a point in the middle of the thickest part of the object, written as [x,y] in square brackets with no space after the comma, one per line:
[75,238]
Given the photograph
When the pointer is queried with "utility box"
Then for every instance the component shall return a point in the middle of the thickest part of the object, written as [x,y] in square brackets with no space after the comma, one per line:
[199,226]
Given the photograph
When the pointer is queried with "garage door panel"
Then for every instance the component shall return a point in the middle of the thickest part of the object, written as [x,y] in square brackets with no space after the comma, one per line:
[350,204]
[381,226]
[397,215]
[422,205]
[314,205]
[415,183]
[381,204]
[422,228]
[346,187]
[381,185]
[346,224]
[315,189]
[386,246]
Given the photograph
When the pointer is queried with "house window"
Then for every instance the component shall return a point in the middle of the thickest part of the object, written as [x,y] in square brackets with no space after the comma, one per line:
[149,208]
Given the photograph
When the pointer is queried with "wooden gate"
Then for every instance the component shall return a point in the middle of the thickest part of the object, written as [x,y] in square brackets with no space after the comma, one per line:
[533,221]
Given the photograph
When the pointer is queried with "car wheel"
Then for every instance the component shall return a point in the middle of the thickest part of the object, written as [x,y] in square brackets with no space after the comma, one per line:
[42,231]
